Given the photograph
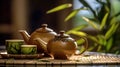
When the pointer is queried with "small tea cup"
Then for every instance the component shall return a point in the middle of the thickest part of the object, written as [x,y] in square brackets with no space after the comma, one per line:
[28,49]
[13,46]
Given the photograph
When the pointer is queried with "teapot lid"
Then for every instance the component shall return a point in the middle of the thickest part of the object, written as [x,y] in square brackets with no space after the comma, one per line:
[44,29]
[62,34]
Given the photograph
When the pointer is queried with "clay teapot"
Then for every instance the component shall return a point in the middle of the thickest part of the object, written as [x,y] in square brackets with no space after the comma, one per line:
[60,47]
[43,33]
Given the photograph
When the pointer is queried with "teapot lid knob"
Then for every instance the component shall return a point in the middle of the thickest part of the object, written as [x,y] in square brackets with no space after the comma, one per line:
[44,25]
[44,28]
[62,32]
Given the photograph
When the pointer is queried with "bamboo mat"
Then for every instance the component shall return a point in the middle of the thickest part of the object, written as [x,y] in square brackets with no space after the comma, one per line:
[88,58]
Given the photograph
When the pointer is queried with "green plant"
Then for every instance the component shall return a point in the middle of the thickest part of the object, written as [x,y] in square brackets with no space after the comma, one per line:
[105,22]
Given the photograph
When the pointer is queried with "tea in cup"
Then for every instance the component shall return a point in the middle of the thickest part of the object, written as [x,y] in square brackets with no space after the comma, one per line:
[28,49]
[13,46]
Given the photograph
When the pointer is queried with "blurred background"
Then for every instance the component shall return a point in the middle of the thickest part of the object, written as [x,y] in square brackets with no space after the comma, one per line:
[30,14]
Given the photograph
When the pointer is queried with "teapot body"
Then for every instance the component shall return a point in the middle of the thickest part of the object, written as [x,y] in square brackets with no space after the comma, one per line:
[44,36]
[61,47]
[44,33]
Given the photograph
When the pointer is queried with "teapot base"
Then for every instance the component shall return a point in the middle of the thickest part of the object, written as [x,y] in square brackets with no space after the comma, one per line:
[60,57]
[46,55]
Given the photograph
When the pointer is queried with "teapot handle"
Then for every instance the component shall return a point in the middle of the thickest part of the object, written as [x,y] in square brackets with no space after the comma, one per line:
[85,44]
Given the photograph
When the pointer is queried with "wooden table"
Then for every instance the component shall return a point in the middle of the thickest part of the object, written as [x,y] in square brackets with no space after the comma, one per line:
[88,59]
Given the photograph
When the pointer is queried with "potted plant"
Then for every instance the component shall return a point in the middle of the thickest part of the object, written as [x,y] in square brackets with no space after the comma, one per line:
[105,21]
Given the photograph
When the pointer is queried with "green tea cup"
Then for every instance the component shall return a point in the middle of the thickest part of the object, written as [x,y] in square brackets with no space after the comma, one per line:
[13,46]
[28,49]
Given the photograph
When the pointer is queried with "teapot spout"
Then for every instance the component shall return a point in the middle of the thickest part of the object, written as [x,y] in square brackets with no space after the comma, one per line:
[25,35]
[42,44]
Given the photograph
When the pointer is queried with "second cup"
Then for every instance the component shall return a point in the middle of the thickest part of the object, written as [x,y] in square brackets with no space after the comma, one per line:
[28,49]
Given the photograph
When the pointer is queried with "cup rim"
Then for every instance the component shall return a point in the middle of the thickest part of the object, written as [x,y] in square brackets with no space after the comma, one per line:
[13,40]
[28,45]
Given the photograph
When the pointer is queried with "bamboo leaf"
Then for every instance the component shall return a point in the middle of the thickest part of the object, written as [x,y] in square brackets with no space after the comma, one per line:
[80,27]
[79,33]
[107,8]
[104,21]
[93,47]
[94,19]
[73,13]
[99,48]
[60,7]
[77,28]
[116,27]
[113,20]
[91,23]
[101,39]
[111,31]
[109,44]
[93,38]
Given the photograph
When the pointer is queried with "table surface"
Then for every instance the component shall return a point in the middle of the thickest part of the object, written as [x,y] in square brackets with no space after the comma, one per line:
[88,58]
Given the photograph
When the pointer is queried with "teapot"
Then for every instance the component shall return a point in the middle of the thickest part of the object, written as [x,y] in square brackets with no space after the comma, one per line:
[60,47]
[43,33]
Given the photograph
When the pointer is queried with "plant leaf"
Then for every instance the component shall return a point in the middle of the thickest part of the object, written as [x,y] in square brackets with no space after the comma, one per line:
[113,20]
[60,7]
[79,33]
[80,27]
[104,20]
[107,8]
[92,47]
[94,19]
[73,13]
[77,28]
[109,44]
[91,23]
[111,31]
[99,48]
[101,39]
[93,38]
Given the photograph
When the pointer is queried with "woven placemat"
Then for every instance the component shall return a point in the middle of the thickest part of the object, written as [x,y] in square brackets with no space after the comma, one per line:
[86,58]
